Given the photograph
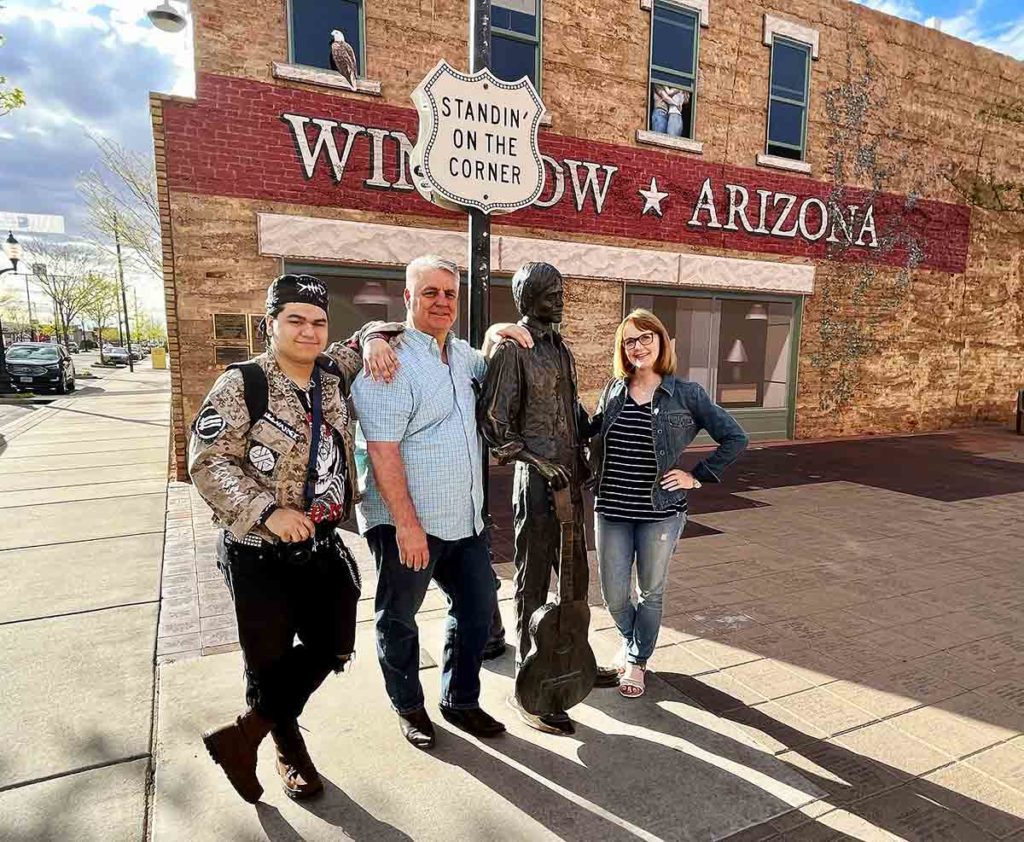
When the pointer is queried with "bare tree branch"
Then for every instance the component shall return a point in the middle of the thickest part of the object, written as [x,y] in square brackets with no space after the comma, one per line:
[121,200]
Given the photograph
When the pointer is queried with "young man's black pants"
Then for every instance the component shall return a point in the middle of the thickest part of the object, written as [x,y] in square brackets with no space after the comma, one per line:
[279,596]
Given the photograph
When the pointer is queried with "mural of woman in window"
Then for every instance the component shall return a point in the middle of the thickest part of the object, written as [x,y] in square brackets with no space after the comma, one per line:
[667,114]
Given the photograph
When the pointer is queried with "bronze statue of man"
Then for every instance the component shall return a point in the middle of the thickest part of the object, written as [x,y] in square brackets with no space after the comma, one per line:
[530,413]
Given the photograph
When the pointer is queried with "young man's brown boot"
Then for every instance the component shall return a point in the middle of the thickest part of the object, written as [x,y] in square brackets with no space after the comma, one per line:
[298,774]
[233,748]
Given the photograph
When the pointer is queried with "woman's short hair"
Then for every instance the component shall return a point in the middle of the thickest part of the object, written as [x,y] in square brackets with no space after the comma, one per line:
[644,320]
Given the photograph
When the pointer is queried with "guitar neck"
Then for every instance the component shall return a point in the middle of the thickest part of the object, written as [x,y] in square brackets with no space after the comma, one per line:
[565,563]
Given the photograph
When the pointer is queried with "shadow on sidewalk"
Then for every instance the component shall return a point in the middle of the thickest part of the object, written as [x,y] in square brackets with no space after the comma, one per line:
[673,776]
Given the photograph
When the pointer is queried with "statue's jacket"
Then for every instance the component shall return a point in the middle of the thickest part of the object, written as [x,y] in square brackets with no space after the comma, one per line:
[529,402]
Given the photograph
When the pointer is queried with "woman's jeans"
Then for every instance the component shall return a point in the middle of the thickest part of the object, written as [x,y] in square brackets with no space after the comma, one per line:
[651,543]
[665,123]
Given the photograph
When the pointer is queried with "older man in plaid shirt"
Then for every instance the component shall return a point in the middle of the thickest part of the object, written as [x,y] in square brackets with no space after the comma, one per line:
[422,504]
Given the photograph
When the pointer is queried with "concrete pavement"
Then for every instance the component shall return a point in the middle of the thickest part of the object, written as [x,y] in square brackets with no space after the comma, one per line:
[82,508]
[842,656]
[868,638]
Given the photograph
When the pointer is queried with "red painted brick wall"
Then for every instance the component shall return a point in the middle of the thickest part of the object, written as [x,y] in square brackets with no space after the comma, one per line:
[232,142]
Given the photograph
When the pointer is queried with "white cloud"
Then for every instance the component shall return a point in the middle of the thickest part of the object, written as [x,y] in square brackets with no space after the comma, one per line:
[85,66]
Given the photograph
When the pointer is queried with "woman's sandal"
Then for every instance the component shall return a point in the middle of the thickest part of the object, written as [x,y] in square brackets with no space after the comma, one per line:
[631,685]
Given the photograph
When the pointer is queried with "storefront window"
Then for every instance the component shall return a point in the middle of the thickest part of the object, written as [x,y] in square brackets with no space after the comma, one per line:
[738,349]
[313,21]
[515,40]
[787,102]
[673,71]
[356,301]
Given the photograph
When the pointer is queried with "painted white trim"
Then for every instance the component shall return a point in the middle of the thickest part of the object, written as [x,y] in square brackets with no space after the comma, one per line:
[797,31]
[702,6]
[311,239]
[669,142]
[327,78]
[778,163]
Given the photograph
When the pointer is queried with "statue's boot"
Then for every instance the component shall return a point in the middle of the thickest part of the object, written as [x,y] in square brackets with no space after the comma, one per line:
[549,723]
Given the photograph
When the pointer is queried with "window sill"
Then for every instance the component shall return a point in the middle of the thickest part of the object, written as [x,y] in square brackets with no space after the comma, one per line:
[684,144]
[327,78]
[777,163]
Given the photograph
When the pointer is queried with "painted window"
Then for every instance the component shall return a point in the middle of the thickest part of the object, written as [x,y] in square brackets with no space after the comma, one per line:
[313,21]
[515,40]
[738,348]
[787,98]
[356,299]
[673,70]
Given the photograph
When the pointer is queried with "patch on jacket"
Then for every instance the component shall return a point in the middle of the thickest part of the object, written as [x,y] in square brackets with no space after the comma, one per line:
[278,424]
[209,424]
[262,458]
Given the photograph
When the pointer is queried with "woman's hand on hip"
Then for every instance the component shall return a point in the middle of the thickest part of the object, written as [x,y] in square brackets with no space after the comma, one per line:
[678,479]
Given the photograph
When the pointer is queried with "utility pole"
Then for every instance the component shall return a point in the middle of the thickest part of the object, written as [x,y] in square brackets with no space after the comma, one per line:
[479,222]
[28,299]
[124,300]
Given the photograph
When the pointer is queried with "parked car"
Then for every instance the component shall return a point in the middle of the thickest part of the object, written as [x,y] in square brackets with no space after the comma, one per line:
[34,365]
[73,347]
[116,355]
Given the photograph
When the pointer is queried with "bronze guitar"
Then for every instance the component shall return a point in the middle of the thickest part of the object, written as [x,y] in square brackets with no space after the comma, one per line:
[560,669]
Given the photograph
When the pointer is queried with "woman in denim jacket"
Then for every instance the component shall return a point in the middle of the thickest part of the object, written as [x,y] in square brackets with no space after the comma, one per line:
[645,419]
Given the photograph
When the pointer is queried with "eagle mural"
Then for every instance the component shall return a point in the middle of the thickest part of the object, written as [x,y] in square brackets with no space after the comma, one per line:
[343,57]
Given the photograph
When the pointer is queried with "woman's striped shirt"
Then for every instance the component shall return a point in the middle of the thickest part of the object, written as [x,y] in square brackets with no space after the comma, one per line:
[630,468]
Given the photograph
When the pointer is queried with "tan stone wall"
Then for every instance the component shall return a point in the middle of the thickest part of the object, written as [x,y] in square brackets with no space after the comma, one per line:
[893,106]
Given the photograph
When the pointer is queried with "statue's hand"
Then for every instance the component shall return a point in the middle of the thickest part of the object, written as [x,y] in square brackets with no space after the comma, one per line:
[555,475]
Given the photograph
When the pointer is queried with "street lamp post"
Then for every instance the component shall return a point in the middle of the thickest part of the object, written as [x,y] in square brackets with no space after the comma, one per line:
[12,249]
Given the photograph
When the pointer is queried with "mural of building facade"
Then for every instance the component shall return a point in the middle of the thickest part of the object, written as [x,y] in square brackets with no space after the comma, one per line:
[788,188]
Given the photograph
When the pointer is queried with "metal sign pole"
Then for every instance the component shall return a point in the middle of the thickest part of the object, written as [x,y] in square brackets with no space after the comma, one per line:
[479,222]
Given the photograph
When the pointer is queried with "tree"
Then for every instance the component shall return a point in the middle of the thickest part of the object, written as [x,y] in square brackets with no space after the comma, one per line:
[101,304]
[63,279]
[10,98]
[122,204]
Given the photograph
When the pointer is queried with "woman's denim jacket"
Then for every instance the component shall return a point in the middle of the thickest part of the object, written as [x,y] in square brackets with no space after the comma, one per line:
[681,409]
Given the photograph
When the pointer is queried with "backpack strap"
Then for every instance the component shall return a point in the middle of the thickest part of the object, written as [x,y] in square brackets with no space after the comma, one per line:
[257,390]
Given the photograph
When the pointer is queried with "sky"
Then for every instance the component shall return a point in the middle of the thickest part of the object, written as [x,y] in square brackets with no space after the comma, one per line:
[89,65]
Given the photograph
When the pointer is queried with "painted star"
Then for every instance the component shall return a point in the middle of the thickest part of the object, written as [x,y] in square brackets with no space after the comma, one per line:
[652,198]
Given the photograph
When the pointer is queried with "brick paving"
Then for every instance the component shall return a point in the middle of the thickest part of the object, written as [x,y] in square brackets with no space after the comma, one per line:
[869,636]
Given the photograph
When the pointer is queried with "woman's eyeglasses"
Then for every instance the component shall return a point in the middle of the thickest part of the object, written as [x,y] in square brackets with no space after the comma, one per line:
[644,339]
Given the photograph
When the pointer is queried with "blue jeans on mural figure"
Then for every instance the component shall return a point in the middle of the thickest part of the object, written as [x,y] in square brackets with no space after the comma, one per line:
[651,544]
[659,120]
[665,123]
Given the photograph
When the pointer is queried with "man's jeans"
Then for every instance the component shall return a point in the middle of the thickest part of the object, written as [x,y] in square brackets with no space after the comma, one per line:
[462,570]
[652,544]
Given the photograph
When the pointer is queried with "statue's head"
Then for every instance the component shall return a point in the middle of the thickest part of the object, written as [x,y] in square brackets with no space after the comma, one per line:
[537,291]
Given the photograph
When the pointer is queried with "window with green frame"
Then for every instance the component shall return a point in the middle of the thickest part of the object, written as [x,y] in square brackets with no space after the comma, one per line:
[515,40]
[311,23]
[673,72]
[787,98]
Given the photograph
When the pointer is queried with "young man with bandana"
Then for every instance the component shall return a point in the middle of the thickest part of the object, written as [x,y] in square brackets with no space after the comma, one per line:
[286,567]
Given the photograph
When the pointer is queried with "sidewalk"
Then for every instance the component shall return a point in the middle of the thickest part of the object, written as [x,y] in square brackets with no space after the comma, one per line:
[842,656]
[82,506]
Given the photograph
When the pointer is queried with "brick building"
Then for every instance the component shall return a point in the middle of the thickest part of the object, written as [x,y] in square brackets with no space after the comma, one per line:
[783,183]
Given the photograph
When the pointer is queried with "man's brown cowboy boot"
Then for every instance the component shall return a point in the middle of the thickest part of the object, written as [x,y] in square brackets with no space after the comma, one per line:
[294,765]
[233,748]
